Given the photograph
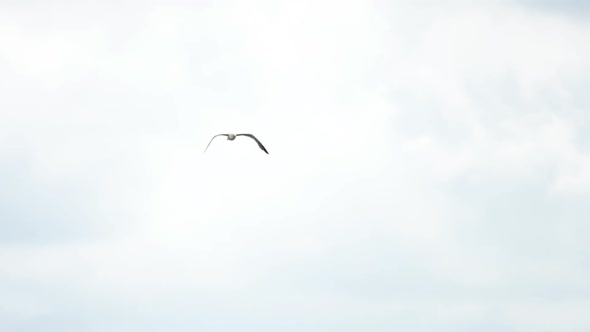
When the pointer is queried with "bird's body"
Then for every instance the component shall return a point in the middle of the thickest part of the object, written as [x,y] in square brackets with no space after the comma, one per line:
[231,137]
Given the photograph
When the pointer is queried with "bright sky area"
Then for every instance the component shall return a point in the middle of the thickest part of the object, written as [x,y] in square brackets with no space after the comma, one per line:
[429,166]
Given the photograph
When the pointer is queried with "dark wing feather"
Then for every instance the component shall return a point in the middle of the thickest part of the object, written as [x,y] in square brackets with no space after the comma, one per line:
[257,141]
[212,141]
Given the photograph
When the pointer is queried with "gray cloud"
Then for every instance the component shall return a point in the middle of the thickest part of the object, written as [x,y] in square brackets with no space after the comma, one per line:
[32,212]
[573,8]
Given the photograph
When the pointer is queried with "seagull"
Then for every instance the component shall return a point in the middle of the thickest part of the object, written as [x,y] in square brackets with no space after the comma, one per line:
[231,137]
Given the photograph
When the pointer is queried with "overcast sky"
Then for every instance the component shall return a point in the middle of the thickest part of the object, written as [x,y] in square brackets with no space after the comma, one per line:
[429,166]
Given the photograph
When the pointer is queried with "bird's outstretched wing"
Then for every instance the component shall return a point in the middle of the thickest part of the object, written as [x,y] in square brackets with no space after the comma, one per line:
[212,140]
[257,141]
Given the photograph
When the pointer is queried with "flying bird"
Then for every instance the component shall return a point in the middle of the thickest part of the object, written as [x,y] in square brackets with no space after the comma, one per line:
[231,137]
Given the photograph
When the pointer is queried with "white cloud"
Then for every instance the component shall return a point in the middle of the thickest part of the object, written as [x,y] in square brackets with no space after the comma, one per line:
[425,170]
